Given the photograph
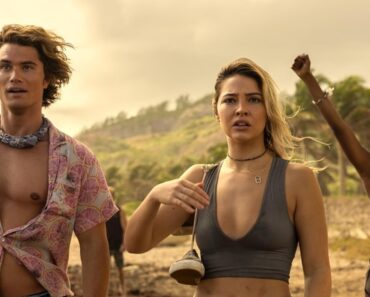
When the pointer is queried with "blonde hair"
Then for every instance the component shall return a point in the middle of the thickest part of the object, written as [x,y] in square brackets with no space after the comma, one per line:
[277,135]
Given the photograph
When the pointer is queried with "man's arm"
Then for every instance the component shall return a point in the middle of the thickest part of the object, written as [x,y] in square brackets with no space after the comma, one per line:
[95,261]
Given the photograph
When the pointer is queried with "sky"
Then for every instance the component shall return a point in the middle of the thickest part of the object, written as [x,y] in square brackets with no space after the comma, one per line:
[129,54]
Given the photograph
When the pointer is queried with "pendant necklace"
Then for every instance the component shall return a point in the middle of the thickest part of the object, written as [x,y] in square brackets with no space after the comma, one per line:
[257,178]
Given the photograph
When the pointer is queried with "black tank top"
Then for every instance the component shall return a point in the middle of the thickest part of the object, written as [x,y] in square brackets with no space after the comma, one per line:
[115,230]
[266,251]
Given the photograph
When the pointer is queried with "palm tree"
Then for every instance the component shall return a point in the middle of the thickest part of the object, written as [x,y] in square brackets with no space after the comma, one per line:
[352,99]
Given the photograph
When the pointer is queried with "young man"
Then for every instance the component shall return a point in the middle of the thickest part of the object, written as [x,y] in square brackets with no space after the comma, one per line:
[50,184]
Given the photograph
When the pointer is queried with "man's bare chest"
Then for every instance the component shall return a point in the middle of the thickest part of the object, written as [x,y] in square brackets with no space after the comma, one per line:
[24,174]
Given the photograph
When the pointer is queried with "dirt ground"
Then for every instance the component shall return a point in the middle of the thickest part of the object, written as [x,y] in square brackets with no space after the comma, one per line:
[147,274]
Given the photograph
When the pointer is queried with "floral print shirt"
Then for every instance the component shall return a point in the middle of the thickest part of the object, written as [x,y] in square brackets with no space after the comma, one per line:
[78,199]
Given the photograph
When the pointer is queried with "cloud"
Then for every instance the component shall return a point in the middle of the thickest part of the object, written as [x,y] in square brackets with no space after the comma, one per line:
[130,54]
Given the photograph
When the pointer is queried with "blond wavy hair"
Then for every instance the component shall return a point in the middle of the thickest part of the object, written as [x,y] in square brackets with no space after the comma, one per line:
[51,50]
[277,134]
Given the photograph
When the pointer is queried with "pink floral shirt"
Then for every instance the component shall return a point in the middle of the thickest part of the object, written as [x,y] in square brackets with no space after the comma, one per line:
[78,199]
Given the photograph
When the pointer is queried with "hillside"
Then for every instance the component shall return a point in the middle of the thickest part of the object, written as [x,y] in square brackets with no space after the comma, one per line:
[159,143]
[155,145]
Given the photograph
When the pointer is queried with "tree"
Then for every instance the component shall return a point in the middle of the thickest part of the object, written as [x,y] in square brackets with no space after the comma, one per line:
[113,176]
[182,102]
[217,153]
[352,100]
[114,179]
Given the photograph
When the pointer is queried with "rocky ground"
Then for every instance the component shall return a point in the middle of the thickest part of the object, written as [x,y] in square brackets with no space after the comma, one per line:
[147,274]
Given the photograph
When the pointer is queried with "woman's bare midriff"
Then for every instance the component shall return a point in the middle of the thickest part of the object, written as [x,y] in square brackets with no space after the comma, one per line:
[242,287]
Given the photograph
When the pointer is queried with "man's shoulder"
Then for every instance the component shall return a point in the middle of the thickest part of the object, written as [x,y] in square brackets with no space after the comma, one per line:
[73,144]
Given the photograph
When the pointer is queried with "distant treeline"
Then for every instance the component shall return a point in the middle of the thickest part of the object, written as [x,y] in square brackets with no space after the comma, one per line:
[159,143]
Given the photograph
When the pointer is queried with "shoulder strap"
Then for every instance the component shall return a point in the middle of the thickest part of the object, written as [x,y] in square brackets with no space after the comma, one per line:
[209,177]
[206,168]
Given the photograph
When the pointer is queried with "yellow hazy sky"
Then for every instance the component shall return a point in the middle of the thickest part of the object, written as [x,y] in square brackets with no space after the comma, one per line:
[133,53]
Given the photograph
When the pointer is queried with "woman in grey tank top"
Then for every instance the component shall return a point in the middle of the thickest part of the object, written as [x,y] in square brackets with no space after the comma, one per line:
[254,207]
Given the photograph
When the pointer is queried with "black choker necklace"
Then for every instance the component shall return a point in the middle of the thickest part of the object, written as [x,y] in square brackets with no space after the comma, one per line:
[248,159]
[27,141]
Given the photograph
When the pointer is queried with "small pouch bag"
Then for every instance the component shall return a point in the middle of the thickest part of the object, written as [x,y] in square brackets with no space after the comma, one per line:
[189,270]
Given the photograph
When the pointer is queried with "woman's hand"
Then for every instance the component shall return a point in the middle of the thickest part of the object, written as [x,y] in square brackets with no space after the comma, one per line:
[302,65]
[182,193]
[166,207]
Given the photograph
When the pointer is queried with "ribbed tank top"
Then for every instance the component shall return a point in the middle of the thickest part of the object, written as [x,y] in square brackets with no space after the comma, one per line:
[266,251]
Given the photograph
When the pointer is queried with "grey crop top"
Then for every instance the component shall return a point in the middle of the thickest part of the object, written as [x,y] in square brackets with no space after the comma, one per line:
[266,251]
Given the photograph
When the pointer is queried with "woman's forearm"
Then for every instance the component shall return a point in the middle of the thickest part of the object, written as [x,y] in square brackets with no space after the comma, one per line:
[323,103]
[342,131]
[139,231]
[319,283]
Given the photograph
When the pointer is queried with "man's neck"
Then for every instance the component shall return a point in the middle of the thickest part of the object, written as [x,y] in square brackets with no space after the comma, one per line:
[20,124]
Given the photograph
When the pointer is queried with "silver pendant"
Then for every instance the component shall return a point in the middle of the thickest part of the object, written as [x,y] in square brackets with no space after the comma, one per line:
[257,179]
